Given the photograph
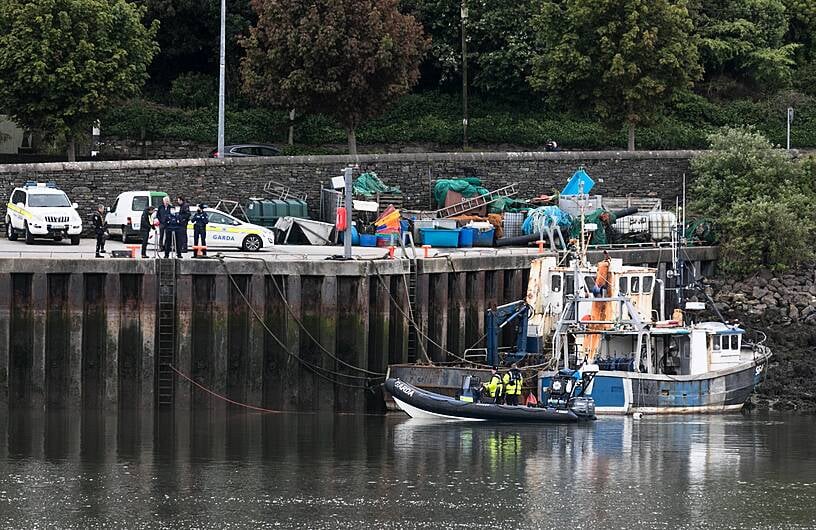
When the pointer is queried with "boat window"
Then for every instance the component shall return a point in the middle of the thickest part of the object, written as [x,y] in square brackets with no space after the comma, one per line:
[555,283]
[648,282]
[569,284]
[635,284]
[623,285]
[715,342]
[735,342]
[590,283]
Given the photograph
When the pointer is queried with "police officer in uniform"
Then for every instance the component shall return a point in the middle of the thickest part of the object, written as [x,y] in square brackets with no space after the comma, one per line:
[184,218]
[200,220]
[100,229]
[512,385]
[495,386]
[145,226]
[174,227]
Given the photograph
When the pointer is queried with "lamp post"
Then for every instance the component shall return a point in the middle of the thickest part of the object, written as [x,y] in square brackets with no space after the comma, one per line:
[348,204]
[464,16]
[221,78]
[790,119]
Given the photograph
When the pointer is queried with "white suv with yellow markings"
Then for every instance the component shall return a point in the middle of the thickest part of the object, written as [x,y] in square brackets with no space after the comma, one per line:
[42,210]
[224,230]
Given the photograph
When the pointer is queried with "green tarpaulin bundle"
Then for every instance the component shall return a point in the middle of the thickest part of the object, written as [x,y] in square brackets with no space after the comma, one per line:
[369,184]
[507,204]
[468,187]
[603,219]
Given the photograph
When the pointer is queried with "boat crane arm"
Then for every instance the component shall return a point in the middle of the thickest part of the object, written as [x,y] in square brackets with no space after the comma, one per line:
[496,319]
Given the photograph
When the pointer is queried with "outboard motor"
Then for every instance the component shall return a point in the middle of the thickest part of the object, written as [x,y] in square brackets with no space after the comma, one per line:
[581,404]
[567,392]
[561,388]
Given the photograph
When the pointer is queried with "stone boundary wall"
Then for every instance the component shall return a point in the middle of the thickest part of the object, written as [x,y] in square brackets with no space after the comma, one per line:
[639,174]
[129,148]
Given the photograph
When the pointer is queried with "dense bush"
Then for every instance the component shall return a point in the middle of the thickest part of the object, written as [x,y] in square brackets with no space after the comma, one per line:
[759,198]
[437,118]
[768,232]
[194,90]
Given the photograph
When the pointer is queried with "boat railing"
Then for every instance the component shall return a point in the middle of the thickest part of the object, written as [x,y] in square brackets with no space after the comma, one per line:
[471,354]
[624,303]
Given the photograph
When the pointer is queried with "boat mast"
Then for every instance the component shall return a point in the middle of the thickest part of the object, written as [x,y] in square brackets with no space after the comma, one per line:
[678,243]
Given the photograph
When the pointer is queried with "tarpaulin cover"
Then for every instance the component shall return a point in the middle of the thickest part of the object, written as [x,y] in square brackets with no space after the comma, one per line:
[573,187]
[507,204]
[602,218]
[370,184]
[540,218]
[468,187]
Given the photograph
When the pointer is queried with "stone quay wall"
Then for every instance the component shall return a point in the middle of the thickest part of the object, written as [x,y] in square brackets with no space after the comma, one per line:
[619,174]
[783,307]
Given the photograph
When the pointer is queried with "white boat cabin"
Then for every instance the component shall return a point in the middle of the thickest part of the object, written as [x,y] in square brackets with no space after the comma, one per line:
[621,336]
[550,285]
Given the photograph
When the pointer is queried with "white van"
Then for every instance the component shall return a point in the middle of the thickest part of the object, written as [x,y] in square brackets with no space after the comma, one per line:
[124,218]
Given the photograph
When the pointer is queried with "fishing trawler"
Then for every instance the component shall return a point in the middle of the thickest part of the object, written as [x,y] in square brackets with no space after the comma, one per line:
[609,319]
[601,318]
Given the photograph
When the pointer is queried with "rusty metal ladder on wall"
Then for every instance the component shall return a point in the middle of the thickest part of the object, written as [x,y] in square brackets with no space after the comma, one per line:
[413,332]
[477,202]
[413,335]
[166,333]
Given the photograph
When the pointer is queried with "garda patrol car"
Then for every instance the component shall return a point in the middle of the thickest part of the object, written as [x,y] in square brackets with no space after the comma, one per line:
[42,210]
[224,230]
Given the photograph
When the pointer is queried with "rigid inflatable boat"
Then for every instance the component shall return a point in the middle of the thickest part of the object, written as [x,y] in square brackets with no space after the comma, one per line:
[422,404]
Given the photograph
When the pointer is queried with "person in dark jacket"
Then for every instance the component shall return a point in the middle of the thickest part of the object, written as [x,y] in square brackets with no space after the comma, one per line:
[184,219]
[163,212]
[145,227]
[174,227]
[200,220]
[100,229]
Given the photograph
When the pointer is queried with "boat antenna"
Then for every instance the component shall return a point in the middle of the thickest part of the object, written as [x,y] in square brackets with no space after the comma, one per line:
[581,204]
[684,208]
[677,242]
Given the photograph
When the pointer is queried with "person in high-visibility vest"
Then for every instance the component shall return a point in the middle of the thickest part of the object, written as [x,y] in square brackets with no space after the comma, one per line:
[512,385]
[495,386]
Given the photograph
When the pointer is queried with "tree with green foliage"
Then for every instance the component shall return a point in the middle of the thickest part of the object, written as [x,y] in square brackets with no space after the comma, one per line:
[745,40]
[623,58]
[189,37]
[347,59]
[499,41]
[802,23]
[759,198]
[64,62]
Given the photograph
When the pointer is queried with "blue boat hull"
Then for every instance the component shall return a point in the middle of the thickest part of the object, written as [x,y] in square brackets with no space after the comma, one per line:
[618,392]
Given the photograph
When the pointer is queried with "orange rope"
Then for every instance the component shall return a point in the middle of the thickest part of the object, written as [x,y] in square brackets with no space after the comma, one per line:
[224,398]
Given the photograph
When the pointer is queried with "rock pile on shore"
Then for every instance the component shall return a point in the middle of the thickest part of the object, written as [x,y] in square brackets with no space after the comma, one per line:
[783,306]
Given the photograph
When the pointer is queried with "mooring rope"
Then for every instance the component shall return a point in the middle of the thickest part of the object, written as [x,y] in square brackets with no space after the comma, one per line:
[221,397]
[378,375]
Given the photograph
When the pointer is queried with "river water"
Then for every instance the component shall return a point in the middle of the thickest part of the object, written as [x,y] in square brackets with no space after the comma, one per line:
[217,470]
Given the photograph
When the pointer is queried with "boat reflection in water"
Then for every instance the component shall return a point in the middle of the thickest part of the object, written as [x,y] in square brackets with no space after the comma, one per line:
[215,469]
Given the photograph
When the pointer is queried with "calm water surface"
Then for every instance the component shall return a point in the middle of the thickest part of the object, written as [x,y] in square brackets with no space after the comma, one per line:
[306,471]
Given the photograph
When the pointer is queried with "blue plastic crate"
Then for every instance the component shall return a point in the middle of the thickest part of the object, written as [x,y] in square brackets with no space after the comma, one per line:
[466,237]
[440,237]
[368,240]
[484,238]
